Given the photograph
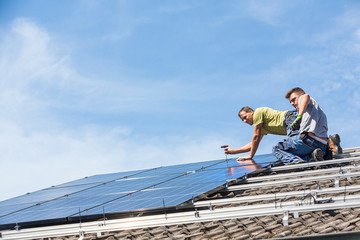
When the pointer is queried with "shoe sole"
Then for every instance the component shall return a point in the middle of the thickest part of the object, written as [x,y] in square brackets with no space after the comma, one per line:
[336,141]
[317,156]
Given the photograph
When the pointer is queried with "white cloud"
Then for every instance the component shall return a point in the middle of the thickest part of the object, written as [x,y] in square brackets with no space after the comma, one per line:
[177,7]
[24,50]
[36,74]
[357,34]
[266,11]
[341,26]
[269,12]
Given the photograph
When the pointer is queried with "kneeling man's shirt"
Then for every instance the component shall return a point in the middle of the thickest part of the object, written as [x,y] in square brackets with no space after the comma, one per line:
[273,121]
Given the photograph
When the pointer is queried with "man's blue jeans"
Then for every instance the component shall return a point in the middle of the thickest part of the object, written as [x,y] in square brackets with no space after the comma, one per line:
[294,149]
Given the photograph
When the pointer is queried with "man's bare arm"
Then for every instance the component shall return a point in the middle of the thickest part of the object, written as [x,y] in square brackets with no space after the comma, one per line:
[254,143]
[255,140]
[303,104]
[245,148]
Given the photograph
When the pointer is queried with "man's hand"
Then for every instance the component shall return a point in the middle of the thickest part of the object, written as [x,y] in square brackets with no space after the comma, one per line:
[229,150]
[296,124]
[244,158]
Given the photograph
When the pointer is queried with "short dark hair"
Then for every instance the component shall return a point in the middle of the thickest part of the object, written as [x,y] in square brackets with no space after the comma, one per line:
[294,90]
[245,109]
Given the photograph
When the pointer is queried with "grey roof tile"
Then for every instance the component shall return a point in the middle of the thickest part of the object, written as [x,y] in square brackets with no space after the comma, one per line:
[349,228]
[256,234]
[179,236]
[254,229]
[122,234]
[296,225]
[298,230]
[195,236]
[285,233]
[342,225]
[320,227]
[261,235]
[267,220]
[271,227]
[231,226]
[327,230]
[240,236]
[305,232]
[215,234]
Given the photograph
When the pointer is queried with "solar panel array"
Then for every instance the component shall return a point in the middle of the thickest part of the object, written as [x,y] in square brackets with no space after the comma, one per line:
[126,191]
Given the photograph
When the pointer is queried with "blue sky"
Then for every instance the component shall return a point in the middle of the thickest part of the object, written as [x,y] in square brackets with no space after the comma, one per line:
[91,87]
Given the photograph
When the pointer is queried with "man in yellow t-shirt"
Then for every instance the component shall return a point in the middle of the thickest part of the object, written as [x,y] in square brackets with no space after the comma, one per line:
[265,121]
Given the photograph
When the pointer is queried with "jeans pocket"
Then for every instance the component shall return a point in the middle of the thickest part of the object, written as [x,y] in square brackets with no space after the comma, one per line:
[286,144]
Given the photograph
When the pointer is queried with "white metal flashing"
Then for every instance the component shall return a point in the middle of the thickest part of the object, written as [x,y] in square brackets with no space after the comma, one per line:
[303,173]
[347,154]
[316,164]
[276,196]
[292,181]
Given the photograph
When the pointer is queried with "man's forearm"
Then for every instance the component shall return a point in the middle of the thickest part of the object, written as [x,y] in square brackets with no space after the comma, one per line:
[243,149]
[254,145]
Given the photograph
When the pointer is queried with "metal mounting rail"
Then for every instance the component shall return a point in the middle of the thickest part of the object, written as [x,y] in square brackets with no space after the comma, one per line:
[309,201]
[347,154]
[283,204]
[352,149]
[100,227]
[304,173]
[292,181]
[315,164]
[275,196]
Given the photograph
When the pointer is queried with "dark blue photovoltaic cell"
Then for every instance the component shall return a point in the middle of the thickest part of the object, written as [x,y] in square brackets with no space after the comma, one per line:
[179,169]
[102,178]
[24,201]
[127,191]
[261,160]
[153,199]
[11,209]
[43,195]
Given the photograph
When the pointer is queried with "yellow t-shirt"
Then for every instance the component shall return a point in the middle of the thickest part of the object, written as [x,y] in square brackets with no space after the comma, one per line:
[272,120]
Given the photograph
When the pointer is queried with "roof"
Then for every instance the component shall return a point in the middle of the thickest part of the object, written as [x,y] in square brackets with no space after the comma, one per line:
[308,199]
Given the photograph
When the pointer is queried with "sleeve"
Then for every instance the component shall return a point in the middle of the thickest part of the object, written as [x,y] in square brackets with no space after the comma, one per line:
[297,110]
[258,117]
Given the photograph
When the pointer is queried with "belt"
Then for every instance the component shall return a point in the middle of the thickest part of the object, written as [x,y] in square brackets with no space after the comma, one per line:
[316,137]
[318,140]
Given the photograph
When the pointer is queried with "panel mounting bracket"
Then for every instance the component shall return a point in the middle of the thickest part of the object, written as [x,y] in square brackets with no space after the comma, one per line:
[286,218]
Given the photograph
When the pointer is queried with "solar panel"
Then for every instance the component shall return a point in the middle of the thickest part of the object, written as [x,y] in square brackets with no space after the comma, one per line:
[134,191]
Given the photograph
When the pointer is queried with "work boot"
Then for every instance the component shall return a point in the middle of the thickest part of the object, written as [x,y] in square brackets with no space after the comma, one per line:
[328,154]
[334,144]
[317,155]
